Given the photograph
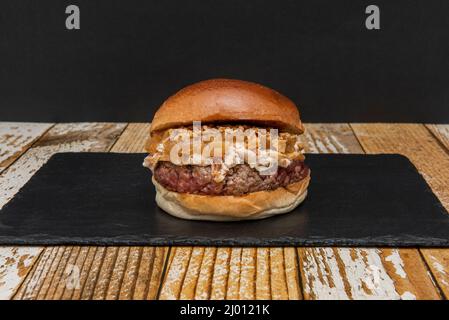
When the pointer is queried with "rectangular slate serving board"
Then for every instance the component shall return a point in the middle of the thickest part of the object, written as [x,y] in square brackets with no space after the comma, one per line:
[108,199]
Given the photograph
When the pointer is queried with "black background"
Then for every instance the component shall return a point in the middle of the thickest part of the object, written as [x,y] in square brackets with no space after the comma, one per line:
[130,55]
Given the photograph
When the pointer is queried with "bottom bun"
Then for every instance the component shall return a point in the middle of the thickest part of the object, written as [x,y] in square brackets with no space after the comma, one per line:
[255,205]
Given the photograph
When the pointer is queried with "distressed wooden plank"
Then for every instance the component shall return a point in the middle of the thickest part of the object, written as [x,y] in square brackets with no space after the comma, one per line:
[106,269]
[116,272]
[330,138]
[192,274]
[247,287]
[127,288]
[220,274]
[16,138]
[263,285]
[438,262]
[45,287]
[15,263]
[58,270]
[224,273]
[92,274]
[438,259]
[60,138]
[232,273]
[72,137]
[144,273]
[232,292]
[130,287]
[430,158]
[409,268]
[84,273]
[70,268]
[133,140]
[126,273]
[441,132]
[278,281]
[73,275]
[204,283]
[172,284]
[353,273]
[158,270]
[284,271]
[292,274]
[32,281]
[349,279]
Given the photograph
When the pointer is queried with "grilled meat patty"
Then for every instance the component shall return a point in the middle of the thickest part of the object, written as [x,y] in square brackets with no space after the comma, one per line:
[239,180]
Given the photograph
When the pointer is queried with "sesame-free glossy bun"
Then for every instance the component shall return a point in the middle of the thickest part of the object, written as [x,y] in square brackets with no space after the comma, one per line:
[228,101]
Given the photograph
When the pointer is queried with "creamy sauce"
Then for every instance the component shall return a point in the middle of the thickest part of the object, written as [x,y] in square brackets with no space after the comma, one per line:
[223,148]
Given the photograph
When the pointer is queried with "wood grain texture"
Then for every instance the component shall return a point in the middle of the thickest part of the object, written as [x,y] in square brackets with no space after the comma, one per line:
[438,262]
[357,273]
[16,138]
[438,259]
[441,132]
[246,273]
[326,273]
[142,266]
[60,138]
[99,272]
[204,283]
[430,157]
[231,273]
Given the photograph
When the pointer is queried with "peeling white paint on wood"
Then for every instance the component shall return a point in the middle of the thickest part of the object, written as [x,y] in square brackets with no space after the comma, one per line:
[174,279]
[34,280]
[336,142]
[407,295]
[331,273]
[73,137]
[192,274]
[14,178]
[396,260]
[206,274]
[322,276]
[440,269]
[310,144]
[16,137]
[345,273]
[247,287]
[220,274]
[17,259]
[441,131]
[329,146]
[321,146]
[366,274]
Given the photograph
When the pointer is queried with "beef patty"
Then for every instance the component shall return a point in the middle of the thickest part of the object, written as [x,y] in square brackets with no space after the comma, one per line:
[239,180]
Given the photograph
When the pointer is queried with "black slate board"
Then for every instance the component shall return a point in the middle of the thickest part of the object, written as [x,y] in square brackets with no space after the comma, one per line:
[108,199]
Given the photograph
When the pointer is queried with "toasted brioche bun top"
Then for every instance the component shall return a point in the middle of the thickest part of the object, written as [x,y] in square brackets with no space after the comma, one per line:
[228,101]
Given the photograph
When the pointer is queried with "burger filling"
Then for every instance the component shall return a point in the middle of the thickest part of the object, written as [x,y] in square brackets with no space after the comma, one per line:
[239,180]
[233,171]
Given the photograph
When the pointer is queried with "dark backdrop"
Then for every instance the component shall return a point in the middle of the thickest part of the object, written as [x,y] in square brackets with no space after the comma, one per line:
[130,55]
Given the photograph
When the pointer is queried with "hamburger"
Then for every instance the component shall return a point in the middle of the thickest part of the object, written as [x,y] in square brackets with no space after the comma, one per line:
[227,150]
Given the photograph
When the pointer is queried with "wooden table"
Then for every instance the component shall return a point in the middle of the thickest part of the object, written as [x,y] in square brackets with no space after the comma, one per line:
[221,273]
